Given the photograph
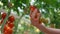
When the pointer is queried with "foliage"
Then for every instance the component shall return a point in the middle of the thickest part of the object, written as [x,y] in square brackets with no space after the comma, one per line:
[48,8]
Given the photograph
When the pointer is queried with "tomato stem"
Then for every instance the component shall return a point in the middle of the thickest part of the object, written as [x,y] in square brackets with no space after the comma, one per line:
[16,24]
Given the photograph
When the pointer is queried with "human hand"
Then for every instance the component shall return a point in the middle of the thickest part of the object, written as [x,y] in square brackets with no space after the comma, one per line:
[35,17]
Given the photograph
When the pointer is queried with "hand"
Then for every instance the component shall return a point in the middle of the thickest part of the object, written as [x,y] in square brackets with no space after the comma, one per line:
[35,18]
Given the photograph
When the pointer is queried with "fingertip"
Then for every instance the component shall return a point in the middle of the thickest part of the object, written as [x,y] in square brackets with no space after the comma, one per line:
[38,14]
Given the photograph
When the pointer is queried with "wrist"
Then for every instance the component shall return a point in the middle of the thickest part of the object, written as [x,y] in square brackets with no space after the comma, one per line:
[41,26]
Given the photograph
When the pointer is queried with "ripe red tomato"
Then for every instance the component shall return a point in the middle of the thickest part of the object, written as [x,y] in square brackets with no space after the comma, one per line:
[4,15]
[11,25]
[32,8]
[8,22]
[11,18]
[5,27]
[7,30]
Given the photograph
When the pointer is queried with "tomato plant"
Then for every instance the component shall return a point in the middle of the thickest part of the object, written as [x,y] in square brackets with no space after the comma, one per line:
[9,24]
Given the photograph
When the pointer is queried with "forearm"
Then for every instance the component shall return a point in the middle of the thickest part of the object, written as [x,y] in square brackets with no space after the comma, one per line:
[53,31]
[42,28]
[48,30]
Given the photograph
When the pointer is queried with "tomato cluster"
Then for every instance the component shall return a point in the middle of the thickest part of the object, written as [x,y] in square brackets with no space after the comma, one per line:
[8,27]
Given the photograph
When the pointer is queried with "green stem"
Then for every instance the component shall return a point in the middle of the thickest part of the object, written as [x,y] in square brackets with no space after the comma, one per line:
[0,15]
[16,24]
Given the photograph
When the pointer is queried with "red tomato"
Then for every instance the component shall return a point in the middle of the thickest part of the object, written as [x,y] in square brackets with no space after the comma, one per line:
[32,8]
[11,18]
[11,25]
[5,27]
[7,30]
[8,22]
[4,15]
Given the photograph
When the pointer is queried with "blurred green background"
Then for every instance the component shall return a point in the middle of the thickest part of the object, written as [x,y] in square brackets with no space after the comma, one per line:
[50,10]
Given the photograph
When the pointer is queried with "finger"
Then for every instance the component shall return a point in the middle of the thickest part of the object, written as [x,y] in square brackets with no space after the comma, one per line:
[35,10]
[38,15]
[34,13]
[30,13]
[33,16]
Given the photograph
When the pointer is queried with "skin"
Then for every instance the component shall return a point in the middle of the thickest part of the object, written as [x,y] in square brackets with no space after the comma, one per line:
[41,26]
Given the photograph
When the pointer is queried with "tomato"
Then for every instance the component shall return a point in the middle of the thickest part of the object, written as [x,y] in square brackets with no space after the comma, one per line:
[11,18]
[4,15]
[11,25]
[5,27]
[7,30]
[8,22]
[32,8]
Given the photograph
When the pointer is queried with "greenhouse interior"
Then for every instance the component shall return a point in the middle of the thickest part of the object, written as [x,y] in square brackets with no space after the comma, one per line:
[29,16]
